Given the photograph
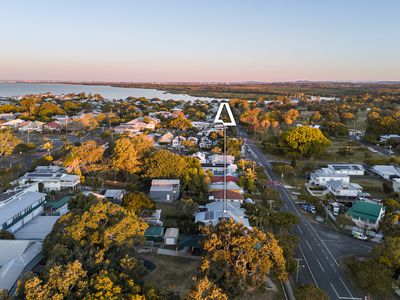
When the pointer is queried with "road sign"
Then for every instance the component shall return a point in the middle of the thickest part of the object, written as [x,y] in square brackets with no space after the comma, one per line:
[218,116]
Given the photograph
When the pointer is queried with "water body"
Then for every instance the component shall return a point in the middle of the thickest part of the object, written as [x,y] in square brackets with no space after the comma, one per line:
[108,92]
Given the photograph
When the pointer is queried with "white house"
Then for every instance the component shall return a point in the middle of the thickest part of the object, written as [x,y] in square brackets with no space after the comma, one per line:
[53,178]
[347,169]
[201,156]
[344,189]
[19,206]
[219,170]
[200,125]
[177,141]
[366,215]
[217,211]
[386,171]
[31,126]
[322,176]
[220,158]
[13,124]
[205,142]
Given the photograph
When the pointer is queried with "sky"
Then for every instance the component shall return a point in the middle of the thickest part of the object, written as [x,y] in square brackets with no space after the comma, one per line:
[207,40]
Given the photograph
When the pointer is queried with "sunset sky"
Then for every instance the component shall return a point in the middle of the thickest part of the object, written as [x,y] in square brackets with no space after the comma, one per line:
[188,40]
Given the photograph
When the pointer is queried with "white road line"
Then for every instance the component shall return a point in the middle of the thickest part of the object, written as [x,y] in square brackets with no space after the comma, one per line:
[320,265]
[308,245]
[346,287]
[337,295]
[284,292]
[298,227]
[305,259]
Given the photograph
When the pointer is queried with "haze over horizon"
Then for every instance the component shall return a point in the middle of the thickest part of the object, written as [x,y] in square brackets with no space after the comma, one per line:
[207,41]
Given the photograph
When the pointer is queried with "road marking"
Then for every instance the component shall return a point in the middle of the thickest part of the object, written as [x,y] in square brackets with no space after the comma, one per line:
[346,287]
[320,265]
[337,295]
[308,245]
[284,292]
[298,227]
[305,259]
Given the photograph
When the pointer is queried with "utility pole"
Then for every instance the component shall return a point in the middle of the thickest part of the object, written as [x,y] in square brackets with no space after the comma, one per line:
[297,269]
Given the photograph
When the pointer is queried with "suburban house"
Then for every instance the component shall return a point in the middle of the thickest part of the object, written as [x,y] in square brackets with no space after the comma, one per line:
[221,178]
[37,228]
[31,126]
[165,190]
[386,171]
[63,120]
[230,186]
[366,215]
[217,211]
[7,116]
[53,178]
[154,219]
[201,156]
[193,140]
[15,256]
[154,234]
[53,127]
[231,196]
[322,176]
[12,124]
[114,195]
[220,159]
[200,125]
[386,137]
[20,205]
[177,141]
[166,139]
[205,142]
[347,169]
[344,189]
[219,169]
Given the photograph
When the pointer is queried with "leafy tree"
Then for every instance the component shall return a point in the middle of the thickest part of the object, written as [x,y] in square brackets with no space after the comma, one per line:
[303,141]
[285,169]
[289,244]
[82,202]
[238,259]
[377,282]
[193,177]
[311,292]
[205,289]
[48,146]
[128,152]
[181,123]
[187,208]
[6,235]
[335,129]
[257,214]
[61,282]
[139,203]
[283,220]
[388,253]
[8,142]
[234,147]
[49,109]
[78,155]
[164,164]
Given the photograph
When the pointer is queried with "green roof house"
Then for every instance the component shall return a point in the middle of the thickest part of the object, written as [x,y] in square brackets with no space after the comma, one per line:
[366,215]
[154,233]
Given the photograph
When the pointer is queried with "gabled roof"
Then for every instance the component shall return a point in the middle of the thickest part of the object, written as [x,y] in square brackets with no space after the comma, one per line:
[365,211]
[230,195]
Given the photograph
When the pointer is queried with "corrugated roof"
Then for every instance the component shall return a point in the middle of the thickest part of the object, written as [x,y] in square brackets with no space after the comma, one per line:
[365,211]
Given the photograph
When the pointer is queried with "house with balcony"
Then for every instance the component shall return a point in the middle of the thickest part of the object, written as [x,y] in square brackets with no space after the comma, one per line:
[344,190]
[20,205]
[322,176]
[53,178]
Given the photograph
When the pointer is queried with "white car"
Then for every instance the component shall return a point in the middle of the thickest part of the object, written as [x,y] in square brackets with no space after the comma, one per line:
[359,236]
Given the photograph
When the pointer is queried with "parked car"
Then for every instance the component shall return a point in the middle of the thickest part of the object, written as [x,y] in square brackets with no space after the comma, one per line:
[320,219]
[309,208]
[359,236]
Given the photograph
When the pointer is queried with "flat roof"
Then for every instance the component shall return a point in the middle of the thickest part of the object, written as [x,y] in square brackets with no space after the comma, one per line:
[37,228]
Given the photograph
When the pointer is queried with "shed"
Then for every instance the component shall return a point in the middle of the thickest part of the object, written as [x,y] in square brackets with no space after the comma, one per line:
[154,233]
[171,236]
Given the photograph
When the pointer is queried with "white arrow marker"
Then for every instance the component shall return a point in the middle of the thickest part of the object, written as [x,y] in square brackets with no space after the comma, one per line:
[228,109]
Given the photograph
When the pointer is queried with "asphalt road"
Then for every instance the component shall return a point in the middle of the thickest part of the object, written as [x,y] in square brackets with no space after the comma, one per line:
[320,248]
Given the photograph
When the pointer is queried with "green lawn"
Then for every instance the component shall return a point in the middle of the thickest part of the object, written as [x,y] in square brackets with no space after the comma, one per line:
[169,213]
